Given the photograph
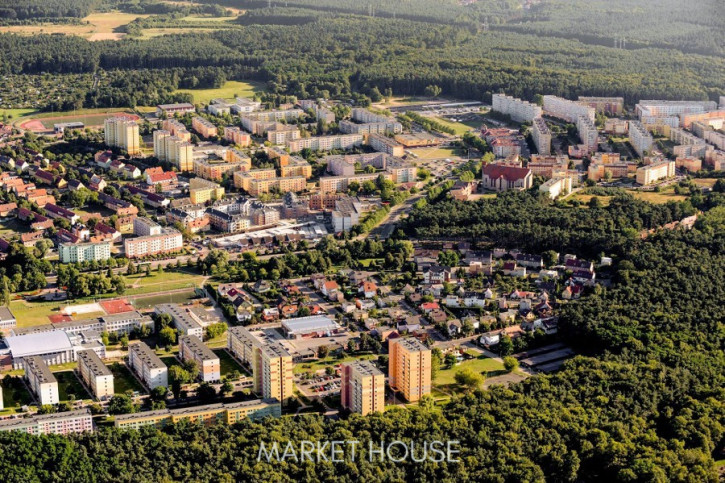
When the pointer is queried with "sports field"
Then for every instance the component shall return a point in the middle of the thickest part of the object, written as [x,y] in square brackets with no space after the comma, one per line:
[229,90]
[89,117]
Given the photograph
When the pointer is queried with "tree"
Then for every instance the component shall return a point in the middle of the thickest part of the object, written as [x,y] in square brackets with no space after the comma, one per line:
[226,388]
[206,392]
[436,360]
[450,359]
[467,176]
[505,346]
[216,330]
[121,404]
[158,393]
[510,363]
[167,336]
[323,351]
[469,379]
[433,91]
[448,258]
[177,377]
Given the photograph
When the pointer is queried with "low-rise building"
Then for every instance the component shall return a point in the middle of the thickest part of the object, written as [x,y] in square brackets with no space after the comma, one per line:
[63,423]
[499,177]
[202,191]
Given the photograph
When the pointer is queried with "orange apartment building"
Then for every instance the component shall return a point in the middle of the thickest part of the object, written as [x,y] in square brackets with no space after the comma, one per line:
[409,368]
[204,127]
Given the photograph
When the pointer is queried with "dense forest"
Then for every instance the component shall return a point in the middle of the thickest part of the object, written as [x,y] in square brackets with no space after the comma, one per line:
[644,402]
[314,53]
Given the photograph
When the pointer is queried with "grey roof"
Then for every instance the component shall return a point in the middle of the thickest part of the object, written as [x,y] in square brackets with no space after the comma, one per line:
[313,323]
[39,343]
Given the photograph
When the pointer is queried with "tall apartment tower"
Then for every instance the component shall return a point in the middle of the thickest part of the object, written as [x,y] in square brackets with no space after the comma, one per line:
[123,133]
[409,368]
[363,387]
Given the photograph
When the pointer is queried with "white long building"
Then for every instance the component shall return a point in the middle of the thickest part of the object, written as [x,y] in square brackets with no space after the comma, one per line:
[667,112]
[567,110]
[147,365]
[41,381]
[640,138]
[519,110]
[95,374]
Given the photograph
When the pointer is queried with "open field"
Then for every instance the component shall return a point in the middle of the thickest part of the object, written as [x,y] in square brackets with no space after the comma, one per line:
[460,128]
[435,153]
[658,198]
[96,26]
[16,113]
[123,380]
[705,182]
[90,117]
[15,395]
[235,11]
[143,303]
[229,90]
[12,226]
[482,364]
[68,384]
[586,198]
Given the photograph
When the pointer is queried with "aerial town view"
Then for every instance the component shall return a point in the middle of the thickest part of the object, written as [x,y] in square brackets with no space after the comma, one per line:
[336,240]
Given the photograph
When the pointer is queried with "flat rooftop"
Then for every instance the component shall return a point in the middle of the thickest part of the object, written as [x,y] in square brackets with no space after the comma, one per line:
[49,342]
[313,323]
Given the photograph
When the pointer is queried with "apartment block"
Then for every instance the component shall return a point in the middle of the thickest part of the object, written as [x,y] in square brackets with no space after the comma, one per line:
[95,374]
[616,126]
[517,109]
[191,348]
[282,134]
[588,133]
[612,106]
[271,364]
[64,423]
[656,171]
[226,413]
[201,191]
[548,166]
[122,132]
[680,136]
[259,181]
[176,128]
[337,184]
[237,136]
[387,127]
[541,135]
[204,127]
[325,115]
[686,120]
[362,387]
[214,167]
[41,381]
[567,110]
[386,145]
[185,321]
[168,241]
[409,368]
[690,163]
[668,112]
[173,148]
[145,227]
[557,187]
[640,139]
[81,252]
[147,365]
[294,166]
[244,105]
[326,143]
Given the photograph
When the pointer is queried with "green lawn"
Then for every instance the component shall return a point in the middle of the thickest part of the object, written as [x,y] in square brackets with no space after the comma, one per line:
[170,361]
[482,364]
[69,384]
[16,113]
[435,153]
[12,226]
[459,127]
[123,380]
[15,395]
[229,90]
[658,198]
[227,363]
[174,298]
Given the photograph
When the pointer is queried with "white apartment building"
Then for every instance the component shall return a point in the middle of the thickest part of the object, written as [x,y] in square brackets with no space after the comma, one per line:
[519,110]
[655,172]
[41,381]
[326,143]
[147,365]
[81,252]
[587,132]
[640,138]
[565,109]
[95,374]
[541,134]
[557,187]
[169,240]
[145,226]
[667,112]
[185,321]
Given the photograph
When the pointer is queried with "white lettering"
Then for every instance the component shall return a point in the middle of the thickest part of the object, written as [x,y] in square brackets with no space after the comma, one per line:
[337,451]
[450,451]
[263,449]
[434,449]
[374,451]
[402,458]
[306,450]
[320,454]
[289,452]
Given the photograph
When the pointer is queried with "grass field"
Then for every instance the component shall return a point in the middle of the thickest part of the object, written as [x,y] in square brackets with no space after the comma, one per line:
[68,384]
[174,298]
[13,114]
[15,396]
[229,90]
[586,198]
[98,26]
[227,363]
[9,227]
[705,182]
[658,198]
[489,367]
[460,128]
[435,153]
[170,361]
[123,380]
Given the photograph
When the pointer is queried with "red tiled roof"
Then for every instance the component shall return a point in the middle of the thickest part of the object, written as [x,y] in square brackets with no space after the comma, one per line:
[510,173]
